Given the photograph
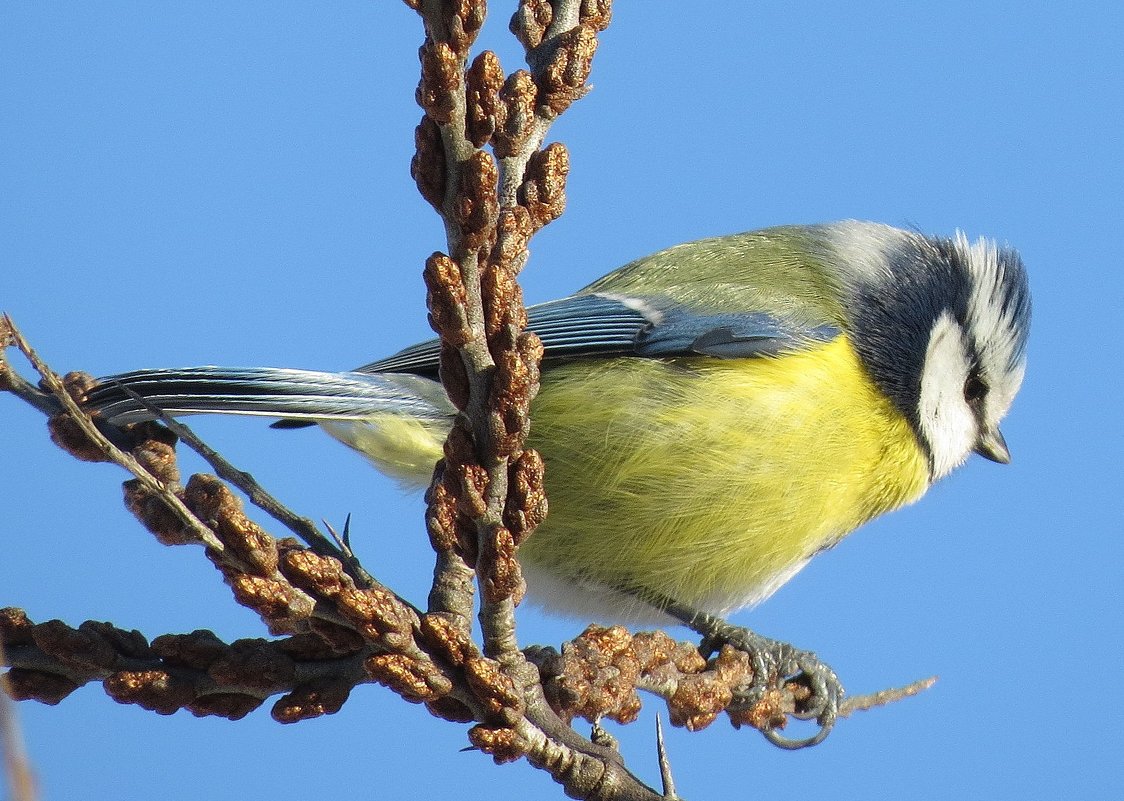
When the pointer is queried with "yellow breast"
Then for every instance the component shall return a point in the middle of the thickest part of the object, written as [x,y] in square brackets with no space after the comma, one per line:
[711,481]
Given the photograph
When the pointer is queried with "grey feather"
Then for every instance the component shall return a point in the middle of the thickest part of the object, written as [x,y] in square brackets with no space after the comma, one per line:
[597,325]
[265,391]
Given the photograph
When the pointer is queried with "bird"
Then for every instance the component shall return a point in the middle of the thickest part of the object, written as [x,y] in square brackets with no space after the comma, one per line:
[711,417]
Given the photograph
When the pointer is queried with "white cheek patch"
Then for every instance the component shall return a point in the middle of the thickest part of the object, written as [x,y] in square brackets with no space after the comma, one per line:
[1003,391]
[947,422]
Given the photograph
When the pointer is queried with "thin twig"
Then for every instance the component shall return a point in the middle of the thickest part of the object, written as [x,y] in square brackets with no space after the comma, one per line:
[861,703]
[512,169]
[17,767]
[13,382]
[154,485]
[665,763]
[303,527]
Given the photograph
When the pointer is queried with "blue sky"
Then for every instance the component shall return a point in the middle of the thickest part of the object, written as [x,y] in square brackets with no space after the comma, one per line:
[228,183]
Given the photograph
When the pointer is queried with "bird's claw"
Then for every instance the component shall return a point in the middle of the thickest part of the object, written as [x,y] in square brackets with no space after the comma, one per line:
[775,664]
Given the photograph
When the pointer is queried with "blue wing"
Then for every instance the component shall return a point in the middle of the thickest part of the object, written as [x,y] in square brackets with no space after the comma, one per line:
[593,325]
[580,326]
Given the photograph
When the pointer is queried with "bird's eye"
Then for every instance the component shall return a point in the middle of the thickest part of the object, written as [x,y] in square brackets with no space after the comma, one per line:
[974,389]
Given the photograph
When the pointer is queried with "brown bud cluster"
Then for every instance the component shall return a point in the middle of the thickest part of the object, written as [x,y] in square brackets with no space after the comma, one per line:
[543,191]
[472,481]
[213,502]
[198,650]
[154,514]
[416,680]
[596,13]
[232,706]
[77,384]
[150,443]
[64,431]
[155,690]
[530,21]
[440,80]
[562,79]
[501,743]
[596,675]
[320,576]
[769,713]
[458,23]
[499,109]
[476,205]
[526,496]
[513,232]
[447,640]
[463,529]
[46,688]
[445,300]
[503,304]
[494,689]
[442,521]
[255,664]
[466,479]
[196,671]
[154,446]
[311,700]
[378,615]
[483,110]
[428,167]
[515,120]
[500,574]
[514,386]
[15,627]
[454,376]
[699,699]
[284,608]
[84,648]
[68,657]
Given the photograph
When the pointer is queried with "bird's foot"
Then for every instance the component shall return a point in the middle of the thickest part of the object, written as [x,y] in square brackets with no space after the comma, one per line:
[776,664]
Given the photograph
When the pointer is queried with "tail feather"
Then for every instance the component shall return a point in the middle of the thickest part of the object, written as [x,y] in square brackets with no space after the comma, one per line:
[306,395]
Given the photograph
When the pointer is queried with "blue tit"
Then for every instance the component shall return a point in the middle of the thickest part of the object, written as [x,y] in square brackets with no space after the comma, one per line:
[711,416]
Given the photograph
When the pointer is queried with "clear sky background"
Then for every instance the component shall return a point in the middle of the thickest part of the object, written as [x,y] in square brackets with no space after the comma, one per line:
[229,183]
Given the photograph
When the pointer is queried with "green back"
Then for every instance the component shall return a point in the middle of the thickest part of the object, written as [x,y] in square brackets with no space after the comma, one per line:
[778,271]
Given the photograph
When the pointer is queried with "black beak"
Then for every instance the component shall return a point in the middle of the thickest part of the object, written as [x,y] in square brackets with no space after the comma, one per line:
[991,445]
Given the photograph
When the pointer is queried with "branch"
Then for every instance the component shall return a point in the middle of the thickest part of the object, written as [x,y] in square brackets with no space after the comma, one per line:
[487,495]
[75,431]
[17,767]
[341,634]
[303,527]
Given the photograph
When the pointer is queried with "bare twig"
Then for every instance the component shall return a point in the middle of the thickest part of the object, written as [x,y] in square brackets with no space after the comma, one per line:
[303,527]
[861,703]
[17,767]
[16,384]
[665,764]
[151,483]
